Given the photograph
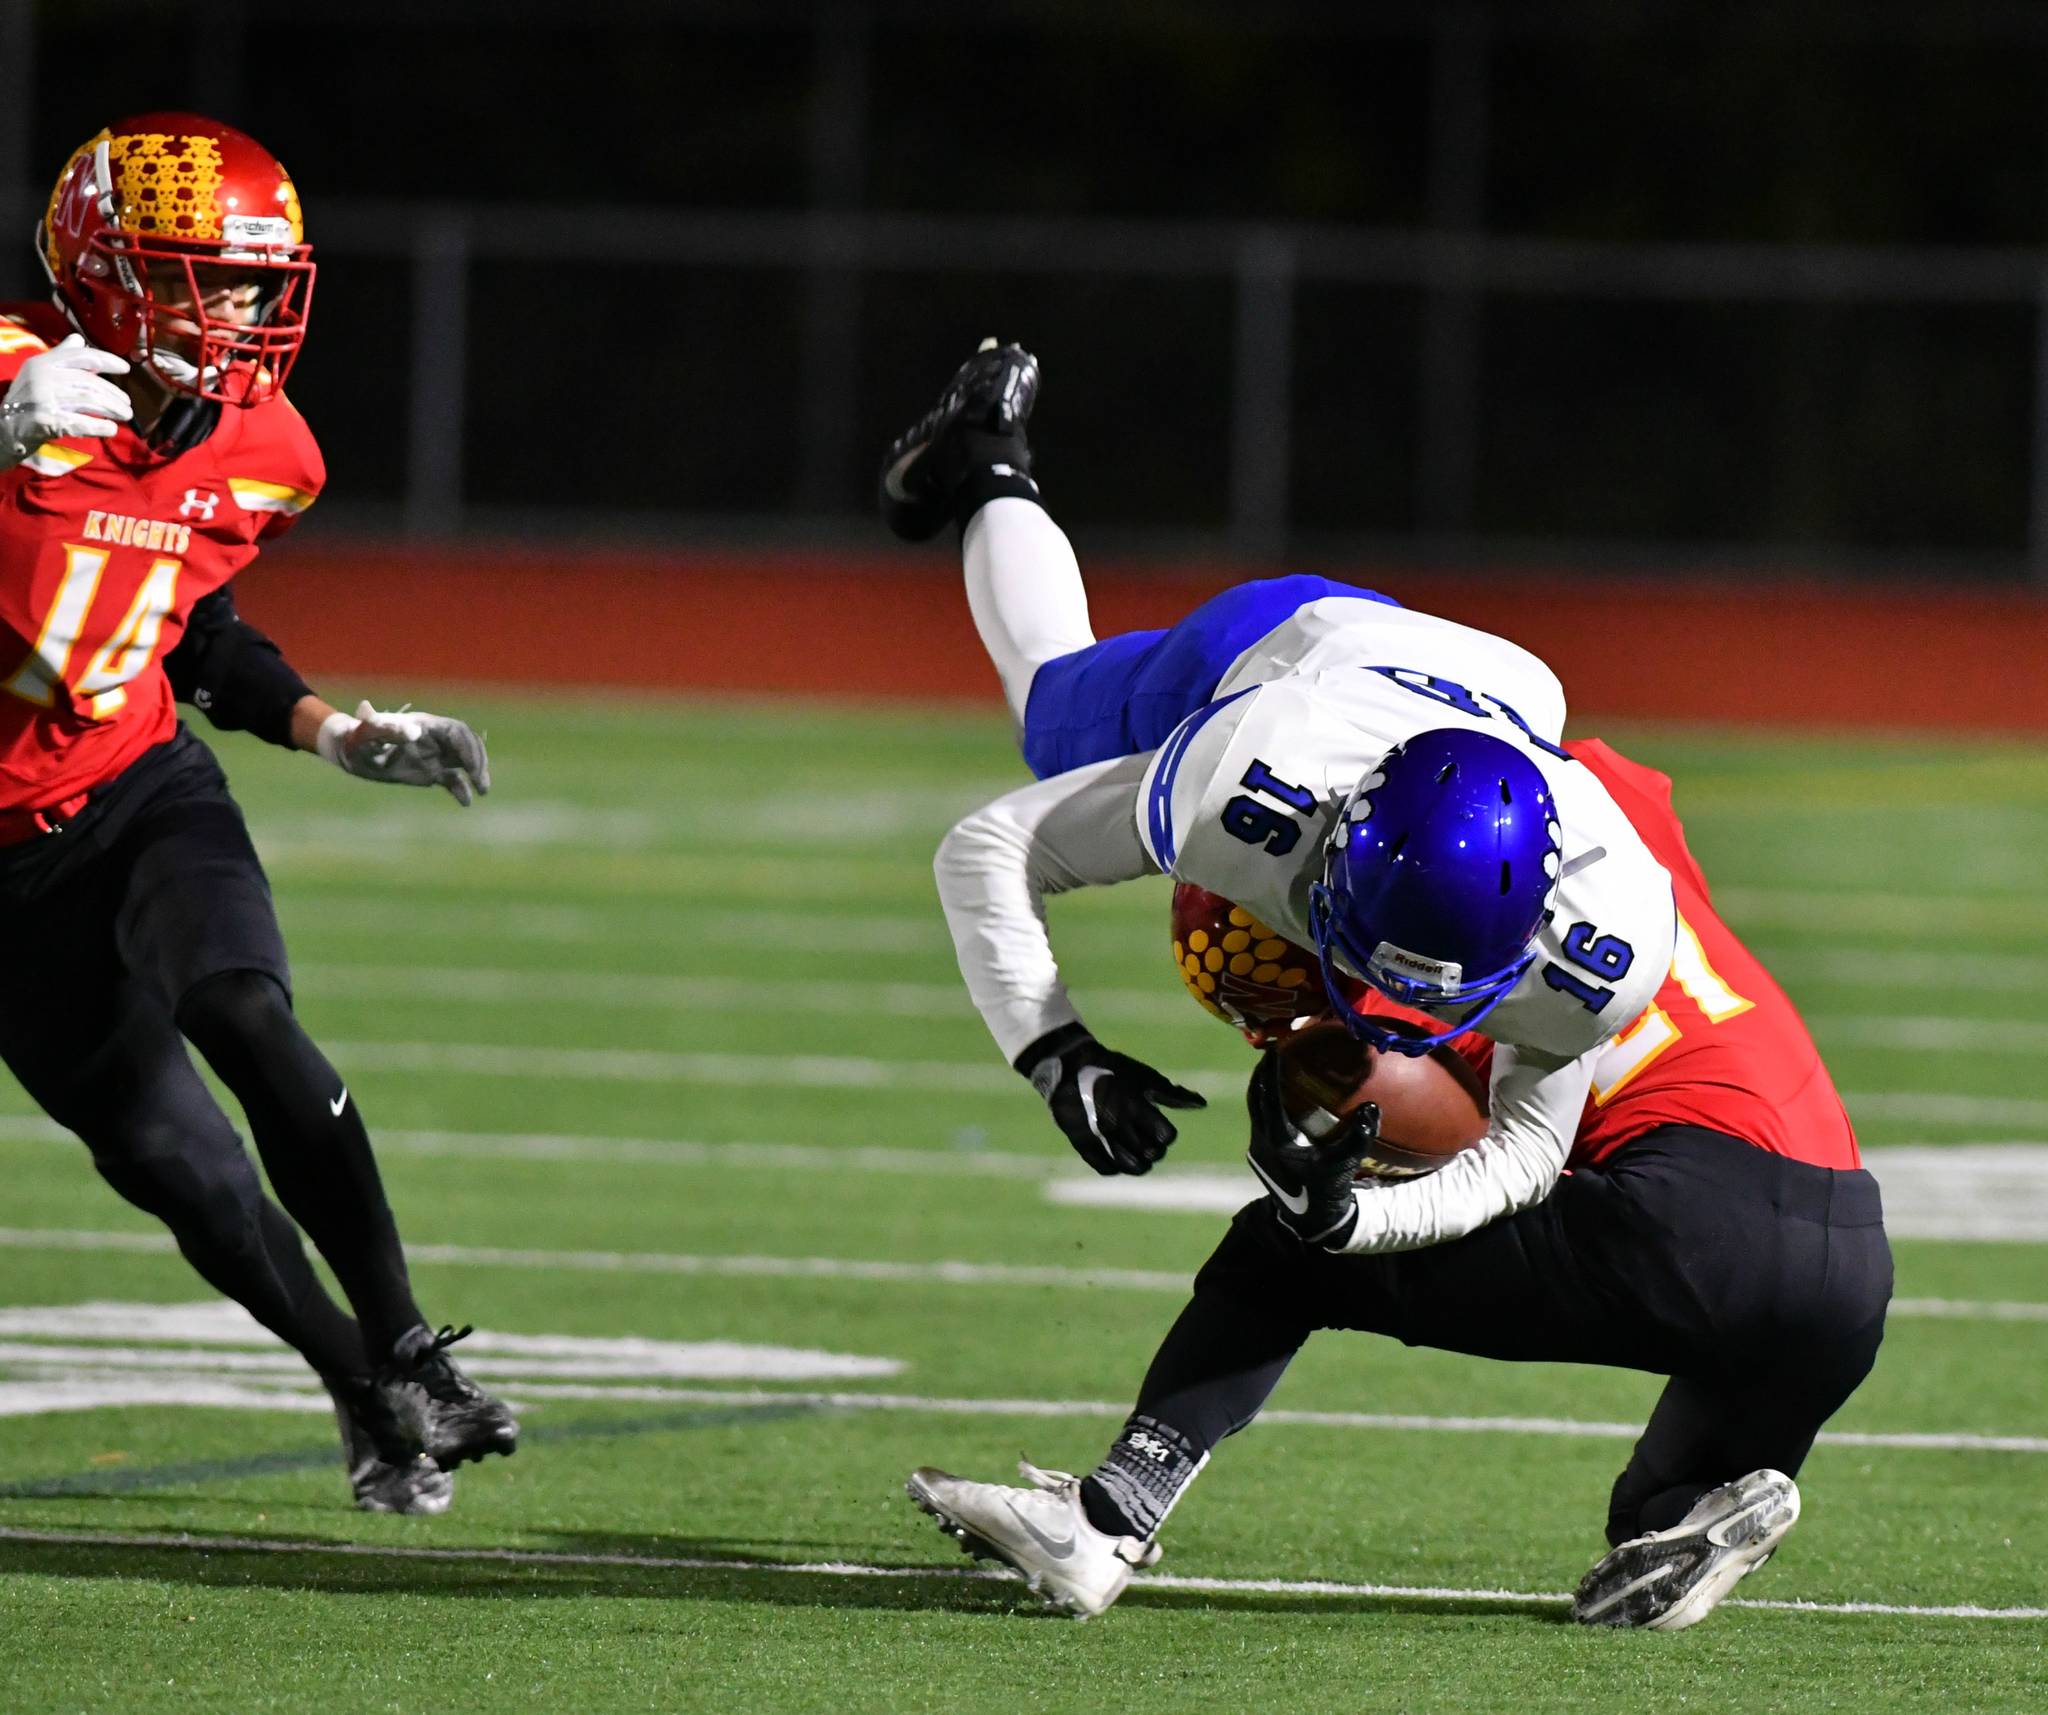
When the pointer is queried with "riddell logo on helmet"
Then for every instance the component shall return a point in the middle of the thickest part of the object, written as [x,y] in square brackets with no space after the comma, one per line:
[1438,973]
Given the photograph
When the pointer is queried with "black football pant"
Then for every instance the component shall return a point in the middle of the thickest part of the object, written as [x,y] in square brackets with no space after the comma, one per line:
[1756,1283]
[147,921]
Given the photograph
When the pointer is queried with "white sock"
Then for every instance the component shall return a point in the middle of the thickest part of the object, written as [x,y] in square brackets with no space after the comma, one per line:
[1025,592]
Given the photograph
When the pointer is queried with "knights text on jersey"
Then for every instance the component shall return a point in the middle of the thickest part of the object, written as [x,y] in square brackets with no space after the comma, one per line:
[105,545]
[1243,795]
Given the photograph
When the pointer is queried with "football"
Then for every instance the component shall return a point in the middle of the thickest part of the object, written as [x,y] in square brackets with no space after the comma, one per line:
[1431,1108]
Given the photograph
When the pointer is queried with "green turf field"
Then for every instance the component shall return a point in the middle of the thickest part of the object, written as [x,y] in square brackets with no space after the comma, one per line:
[673,1078]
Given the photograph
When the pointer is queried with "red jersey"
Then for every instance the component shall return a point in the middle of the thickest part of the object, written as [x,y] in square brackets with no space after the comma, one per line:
[105,544]
[1721,1046]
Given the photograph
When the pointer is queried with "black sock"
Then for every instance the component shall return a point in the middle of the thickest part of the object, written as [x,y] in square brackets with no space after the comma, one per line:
[1134,1488]
[1001,479]
[1217,1366]
[317,1153]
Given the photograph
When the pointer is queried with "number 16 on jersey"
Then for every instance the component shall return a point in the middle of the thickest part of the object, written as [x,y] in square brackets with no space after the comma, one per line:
[1257,823]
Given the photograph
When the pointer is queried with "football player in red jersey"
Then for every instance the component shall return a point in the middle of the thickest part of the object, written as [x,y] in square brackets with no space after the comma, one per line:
[147,453]
[1714,1225]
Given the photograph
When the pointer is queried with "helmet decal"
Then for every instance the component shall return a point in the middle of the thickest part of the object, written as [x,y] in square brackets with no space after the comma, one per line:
[167,186]
[1240,969]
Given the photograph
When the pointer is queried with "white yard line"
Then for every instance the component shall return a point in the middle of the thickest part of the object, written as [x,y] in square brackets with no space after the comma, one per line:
[1899,970]
[1049,1163]
[1934,1035]
[673,1152]
[636,920]
[1926,1107]
[1568,1428]
[512,986]
[667,1262]
[944,1574]
[1914,916]
[117,1373]
[659,1066]
[1970,1193]
[944,1273]
[635,992]
[864,1072]
[1969,1309]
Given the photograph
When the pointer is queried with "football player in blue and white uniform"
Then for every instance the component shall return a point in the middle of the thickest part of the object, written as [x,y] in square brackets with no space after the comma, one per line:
[1389,788]
[1383,785]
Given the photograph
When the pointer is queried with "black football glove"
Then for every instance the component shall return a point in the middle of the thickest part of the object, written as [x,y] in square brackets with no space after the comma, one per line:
[1107,1103]
[1309,1185]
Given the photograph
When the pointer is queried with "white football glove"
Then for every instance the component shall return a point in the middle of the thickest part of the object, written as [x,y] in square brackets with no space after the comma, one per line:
[409,748]
[60,393]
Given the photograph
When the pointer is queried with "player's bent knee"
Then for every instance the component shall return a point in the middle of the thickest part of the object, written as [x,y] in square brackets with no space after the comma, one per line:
[182,1175]
[235,1006]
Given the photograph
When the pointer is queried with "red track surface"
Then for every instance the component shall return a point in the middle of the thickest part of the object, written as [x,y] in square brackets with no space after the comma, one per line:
[896,626]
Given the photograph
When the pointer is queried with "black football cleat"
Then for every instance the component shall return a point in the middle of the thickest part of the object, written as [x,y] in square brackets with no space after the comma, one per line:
[977,426]
[382,1477]
[374,1419]
[455,1420]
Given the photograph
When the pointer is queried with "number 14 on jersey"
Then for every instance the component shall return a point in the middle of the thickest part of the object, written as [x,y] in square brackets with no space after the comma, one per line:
[126,651]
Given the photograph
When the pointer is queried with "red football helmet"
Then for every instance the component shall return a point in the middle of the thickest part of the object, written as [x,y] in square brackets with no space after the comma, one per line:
[177,242]
[1242,971]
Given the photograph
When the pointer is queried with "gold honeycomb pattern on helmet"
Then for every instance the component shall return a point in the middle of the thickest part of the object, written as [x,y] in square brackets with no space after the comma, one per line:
[1246,952]
[168,186]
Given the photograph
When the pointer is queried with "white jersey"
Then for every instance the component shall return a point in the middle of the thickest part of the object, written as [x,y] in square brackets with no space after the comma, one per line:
[1241,799]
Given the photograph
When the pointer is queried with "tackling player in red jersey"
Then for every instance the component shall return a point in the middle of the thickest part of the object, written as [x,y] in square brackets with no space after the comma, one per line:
[1713,1225]
[147,453]
[1721,1047]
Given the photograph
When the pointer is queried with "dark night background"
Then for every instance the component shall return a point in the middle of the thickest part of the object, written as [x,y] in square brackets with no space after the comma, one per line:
[1606,284]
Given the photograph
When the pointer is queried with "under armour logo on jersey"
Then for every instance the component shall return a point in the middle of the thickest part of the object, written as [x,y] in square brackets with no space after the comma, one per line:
[198,505]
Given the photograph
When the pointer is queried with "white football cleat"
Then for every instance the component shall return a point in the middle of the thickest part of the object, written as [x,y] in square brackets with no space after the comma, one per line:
[1042,1533]
[1674,1578]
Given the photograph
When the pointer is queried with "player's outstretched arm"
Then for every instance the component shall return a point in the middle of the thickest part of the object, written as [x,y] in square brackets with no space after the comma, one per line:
[408,747]
[994,870]
[1107,1103]
[1535,1107]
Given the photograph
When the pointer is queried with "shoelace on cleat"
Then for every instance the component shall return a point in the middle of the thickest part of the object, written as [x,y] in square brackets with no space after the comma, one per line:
[435,1372]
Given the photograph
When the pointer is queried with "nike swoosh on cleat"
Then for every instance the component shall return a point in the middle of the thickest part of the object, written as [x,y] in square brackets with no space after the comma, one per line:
[1297,1203]
[892,482]
[341,1101]
[1058,1548]
[1741,1529]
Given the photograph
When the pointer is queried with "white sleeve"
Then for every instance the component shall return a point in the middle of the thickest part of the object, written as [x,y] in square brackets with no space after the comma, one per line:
[1078,829]
[1537,1104]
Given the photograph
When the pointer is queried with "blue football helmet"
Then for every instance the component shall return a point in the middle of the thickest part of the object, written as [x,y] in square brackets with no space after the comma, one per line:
[1437,878]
